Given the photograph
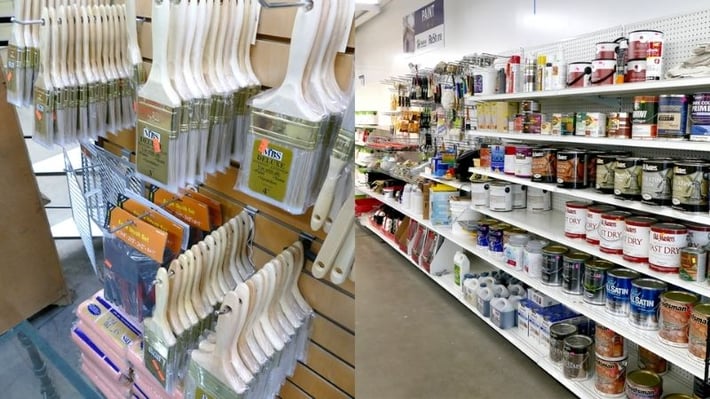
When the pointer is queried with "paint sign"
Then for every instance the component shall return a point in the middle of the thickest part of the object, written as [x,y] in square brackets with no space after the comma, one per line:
[423,29]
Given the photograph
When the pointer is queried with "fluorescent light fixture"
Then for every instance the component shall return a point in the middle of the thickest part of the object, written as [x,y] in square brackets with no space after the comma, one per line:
[367,2]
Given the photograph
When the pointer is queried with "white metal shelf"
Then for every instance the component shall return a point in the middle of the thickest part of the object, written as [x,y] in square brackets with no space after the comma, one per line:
[543,221]
[583,389]
[684,145]
[459,185]
[591,194]
[687,85]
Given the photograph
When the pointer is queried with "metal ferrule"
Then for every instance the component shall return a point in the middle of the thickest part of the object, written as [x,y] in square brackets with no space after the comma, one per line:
[83,96]
[113,89]
[33,57]
[297,132]
[158,117]
[228,111]
[185,117]
[205,112]
[102,92]
[194,107]
[217,110]
[93,91]
[139,75]
[60,99]
[72,96]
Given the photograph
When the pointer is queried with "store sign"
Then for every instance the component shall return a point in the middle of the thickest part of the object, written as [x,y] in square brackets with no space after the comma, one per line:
[424,29]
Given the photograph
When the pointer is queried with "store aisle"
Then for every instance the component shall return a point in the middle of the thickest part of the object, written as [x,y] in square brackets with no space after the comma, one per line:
[415,341]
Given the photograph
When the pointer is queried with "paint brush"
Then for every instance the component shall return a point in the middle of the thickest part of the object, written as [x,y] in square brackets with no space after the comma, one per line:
[342,154]
[44,89]
[158,111]
[159,341]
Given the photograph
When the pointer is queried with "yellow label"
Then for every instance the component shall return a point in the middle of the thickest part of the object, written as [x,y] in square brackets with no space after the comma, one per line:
[44,110]
[270,169]
[154,132]
[147,239]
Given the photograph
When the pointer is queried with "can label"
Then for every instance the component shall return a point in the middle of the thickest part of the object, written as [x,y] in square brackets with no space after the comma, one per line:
[645,114]
[664,250]
[575,222]
[627,178]
[495,242]
[482,237]
[571,170]
[485,157]
[509,160]
[551,269]
[567,124]
[618,125]
[697,334]
[656,183]
[610,233]
[497,158]
[610,376]
[544,166]
[674,322]
[523,162]
[594,286]
[634,391]
[572,274]
[650,361]
[672,116]
[693,265]
[514,256]
[609,344]
[698,238]
[539,199]
[644,307]
[618,290]
[690,188]
[700,118]
[532,264]
[637,240]
[605,174]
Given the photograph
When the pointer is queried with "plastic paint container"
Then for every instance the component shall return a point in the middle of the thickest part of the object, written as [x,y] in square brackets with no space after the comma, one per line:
[578,74]
[606,50]
[636,70]
[640,41]
[603,72]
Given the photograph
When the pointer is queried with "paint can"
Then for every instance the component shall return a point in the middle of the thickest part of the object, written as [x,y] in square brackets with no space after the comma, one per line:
[573,272]
[604,181]
[657,181]
[667,240]
[698,234]
[552,259]
[558,333]
[578,74]
[645,117]
[693,264]
[645,298]
[509,160]
[611,232]
[690,186]
[637,238]
[627,177]
[577,358]
[497,158]
[697,333]
[556,124]
[532,123]
[529,106]
[576,219]
[700,117]
[673,116]
[608,344]
[654,58]
[595,280]
[640,41]
[643,384]
[591,164]
[674,320]
[532,258]
[539,199]
[523,161]
[605,50]
[496,246]
[650,361]
[567,124]
[610,379]
[544,165]
[618,289]
[603,72]
[593,222]
[484,228]
[580,119]
[618,125]
[520,196]
[514,250]
[479,192]
[636,70]
[595,124]
[546,124]
[571,169]
[485,157]
[500,196]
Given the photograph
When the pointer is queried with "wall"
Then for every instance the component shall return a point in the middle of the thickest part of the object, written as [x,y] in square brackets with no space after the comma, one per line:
[494,26]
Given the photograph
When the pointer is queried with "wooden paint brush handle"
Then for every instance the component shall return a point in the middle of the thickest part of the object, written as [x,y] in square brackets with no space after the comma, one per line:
[344,261]
[333,242]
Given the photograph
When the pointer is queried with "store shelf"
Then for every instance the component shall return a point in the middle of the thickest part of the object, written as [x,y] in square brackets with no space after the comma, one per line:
[604,141]
[464,186]
[593,195]
[687,85]
[544,224]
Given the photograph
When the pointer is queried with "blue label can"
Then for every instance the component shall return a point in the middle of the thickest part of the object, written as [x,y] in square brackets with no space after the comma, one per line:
[618,290]
[495,241]
[482,238]
[645,302]
[498,158]
[673,116]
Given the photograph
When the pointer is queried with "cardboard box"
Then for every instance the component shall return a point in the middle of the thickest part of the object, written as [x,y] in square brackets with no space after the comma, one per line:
[503,112]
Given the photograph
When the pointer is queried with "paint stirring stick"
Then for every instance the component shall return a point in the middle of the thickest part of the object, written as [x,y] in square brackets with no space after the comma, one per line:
[160,344]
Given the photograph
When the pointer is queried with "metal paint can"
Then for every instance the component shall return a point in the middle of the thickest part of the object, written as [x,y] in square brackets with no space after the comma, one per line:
[693,264]
[497,158]
[645,300]
[603,72]
[644,123]
[618,125]
[637,238]
[576,219]
[572,169]
[520,196]
[657,181]
[595,281]
[690,186]
[593,223]
[667,240]
[700,117]
[606,50]
[618,290]
[556,124]
[674,320]
[532,123]
[611,232]
[539,199]
[643,384]
[580,123]
[532,258]
[552,259]
[567,122]
[558,333]
[591,162]
[479,192]
[544,165]
[528,106]
[500,196]
[608,344]
[523,161]
[509,160]
[573,272]
[627,177]
[673,116]
[577,74]
[577,358]
[485,156]
[496,246]
[604,181]
[595,124]
[610,379]
[484,228]
[636,70]
[650,361]
[697,334]
[698,234]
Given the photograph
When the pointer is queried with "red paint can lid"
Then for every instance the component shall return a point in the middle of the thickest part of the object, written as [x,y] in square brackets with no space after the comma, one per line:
[697,226]
[641,221]
[616,215]
[577,204]
[669,228]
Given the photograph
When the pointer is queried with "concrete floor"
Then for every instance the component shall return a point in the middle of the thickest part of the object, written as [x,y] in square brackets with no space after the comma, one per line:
[415,341]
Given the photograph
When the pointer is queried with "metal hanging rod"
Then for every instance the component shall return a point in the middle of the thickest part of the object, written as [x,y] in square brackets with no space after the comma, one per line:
[142,216]
[308,4]
[41,21]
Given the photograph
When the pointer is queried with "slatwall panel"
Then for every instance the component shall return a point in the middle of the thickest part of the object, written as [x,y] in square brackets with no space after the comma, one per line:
[329,370]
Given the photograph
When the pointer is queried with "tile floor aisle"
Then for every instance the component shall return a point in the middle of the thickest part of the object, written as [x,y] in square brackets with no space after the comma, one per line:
[415,341]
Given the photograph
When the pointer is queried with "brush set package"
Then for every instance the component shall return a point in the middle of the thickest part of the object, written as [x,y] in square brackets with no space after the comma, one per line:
[295,128]
[192,109]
